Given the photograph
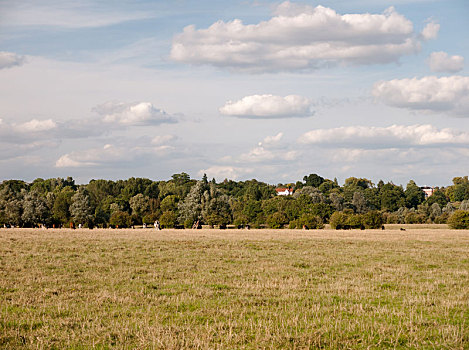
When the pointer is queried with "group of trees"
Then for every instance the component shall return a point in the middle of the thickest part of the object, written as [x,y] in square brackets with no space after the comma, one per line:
[181,201]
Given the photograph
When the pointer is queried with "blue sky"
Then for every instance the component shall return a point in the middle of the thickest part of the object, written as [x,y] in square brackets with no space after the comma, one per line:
[235,89]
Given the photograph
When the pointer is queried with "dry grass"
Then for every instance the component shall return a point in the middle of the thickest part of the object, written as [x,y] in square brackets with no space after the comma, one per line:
[234,289]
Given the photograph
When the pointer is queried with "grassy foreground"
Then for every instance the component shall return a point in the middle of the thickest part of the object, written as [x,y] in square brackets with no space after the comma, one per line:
[234,289]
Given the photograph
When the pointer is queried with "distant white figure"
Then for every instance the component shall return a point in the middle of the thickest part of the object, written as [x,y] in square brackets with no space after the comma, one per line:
[79,226]
[144,225]
[157,224]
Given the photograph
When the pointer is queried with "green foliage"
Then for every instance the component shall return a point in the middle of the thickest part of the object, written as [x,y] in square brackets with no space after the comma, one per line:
[313,180]
[459,220]
[439,197]
[415,218]
[413,195]
[358,182]
[277,220]
[373,219]
[310,221]
[120,219]
[168,219]
[392,197]
[338,220]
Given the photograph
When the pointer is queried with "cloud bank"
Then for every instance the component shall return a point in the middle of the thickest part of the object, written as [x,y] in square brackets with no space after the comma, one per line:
[301,37]
[268,106]
[432,94]
[397,136]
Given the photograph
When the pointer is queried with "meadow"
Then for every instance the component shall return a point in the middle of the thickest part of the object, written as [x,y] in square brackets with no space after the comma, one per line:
[234,289]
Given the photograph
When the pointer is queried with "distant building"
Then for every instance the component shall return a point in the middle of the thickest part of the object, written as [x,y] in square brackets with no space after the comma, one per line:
[284,191]
[428,191]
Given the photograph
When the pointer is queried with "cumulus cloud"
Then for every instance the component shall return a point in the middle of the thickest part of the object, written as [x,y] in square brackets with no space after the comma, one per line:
[430,31]
[268,106]
[10,59]
[138,113]
[301,37]
[442,62]
[225,172]
[445,94]
[385,137]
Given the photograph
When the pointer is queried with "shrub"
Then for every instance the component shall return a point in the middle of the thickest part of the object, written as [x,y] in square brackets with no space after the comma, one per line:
[373,219]
[277,220]
[338,220]
[354,221]
[168,219]
[415,218]
[310,221]
[459,220]
[120,218]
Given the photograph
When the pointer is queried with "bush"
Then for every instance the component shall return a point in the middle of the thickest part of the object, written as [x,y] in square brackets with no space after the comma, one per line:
[354,221]
[415,218]
[277,220]
[120,219]
[373,219]
[310,221]
[338,220]
[345,221]
[459,220]
[168,219]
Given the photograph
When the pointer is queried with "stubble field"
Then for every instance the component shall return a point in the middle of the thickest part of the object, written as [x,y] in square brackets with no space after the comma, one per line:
[234,289]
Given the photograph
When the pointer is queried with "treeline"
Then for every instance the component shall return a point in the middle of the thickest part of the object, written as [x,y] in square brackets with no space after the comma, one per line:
[182,201]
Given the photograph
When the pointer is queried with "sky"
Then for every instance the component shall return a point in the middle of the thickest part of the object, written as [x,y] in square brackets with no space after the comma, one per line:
[243,89]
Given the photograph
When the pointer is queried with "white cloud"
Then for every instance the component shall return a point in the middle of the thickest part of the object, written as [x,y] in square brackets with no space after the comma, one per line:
[35,125]
[162,139]
[271,139]
[445,94]
[385,137]
[225,172]
[301,37]
[442,62]
[268,106]
[10,59]
[126,152]
[138,113]
[430,31]
[67,14]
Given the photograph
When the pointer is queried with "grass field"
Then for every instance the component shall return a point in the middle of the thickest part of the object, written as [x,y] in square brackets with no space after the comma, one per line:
[233,289]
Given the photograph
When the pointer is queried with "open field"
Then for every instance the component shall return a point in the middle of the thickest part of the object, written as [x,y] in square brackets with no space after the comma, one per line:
[234,289]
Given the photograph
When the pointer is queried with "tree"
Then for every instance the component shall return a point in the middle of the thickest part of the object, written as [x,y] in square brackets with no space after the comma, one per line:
[313,180]
[61,207]
[190,209]
[392,197]
[168,219]
[439,197]
[359,202]
[459,220]
[80,209]
[413,195]
[120,219]
[35,210]
[139,204]
[435,211]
